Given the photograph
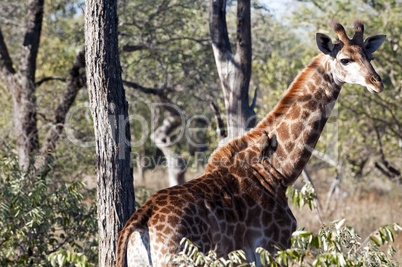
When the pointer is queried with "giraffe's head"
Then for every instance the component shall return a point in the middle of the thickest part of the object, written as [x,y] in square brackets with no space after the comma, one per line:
[351,57]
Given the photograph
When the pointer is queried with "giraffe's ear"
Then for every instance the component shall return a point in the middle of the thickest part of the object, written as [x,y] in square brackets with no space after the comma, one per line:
[373,43]
[324,43]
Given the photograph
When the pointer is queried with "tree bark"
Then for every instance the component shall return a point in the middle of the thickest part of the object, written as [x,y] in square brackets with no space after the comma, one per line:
[234,70]
[112,132]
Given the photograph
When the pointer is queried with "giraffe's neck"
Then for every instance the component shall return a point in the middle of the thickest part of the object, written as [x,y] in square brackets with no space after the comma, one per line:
[300,117]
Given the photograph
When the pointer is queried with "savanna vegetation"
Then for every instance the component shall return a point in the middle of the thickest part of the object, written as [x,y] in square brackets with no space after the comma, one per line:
[48,180]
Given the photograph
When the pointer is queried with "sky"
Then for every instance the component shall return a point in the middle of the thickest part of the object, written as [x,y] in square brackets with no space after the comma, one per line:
[279,8]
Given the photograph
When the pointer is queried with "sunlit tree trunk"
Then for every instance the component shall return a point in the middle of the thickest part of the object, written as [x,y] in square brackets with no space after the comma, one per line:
[109,109]
[234,69]
[175,163]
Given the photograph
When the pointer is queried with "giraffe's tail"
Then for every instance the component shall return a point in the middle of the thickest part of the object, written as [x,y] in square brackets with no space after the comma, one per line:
[122,246]
[133,244]
[133,247]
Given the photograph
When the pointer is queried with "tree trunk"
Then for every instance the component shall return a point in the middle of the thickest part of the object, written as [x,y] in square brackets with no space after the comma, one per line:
[234,70]
[22,84]
[112,132]
[175,163]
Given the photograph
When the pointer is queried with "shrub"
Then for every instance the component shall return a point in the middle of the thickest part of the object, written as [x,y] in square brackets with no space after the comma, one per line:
[39,219]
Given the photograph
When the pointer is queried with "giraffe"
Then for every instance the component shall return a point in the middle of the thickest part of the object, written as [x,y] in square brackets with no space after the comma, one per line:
[239,203]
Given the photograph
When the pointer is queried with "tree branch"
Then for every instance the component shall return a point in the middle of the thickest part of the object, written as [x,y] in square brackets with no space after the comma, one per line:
[243,39]
[46,79]
[133,48]
[138,47]
[31,39]
[6,64]
[75,83]
[146,90]
[253,104]
[218,29]
[391,172]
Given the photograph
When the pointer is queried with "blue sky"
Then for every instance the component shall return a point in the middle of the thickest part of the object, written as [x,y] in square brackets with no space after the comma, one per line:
[279,8]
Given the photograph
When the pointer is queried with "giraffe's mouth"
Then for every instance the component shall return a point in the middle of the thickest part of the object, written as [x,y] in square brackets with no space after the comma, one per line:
[375,89]
[375,85]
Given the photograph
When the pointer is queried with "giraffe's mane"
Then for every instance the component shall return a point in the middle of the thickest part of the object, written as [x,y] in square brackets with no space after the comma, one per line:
[292,93]
[224,154]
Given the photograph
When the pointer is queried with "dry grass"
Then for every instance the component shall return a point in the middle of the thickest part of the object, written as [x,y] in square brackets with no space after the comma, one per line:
[365,206]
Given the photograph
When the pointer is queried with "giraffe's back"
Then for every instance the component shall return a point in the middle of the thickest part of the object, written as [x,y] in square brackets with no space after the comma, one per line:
[213,212]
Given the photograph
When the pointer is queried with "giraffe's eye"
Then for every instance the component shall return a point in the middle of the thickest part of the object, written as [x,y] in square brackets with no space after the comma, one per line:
[345,61]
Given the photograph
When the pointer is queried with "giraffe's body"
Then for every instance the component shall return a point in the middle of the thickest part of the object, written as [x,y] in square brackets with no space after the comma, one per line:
[215,213]
[239,203]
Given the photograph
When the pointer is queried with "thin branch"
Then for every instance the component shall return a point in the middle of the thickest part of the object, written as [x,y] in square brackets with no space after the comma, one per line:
[146,90]
[391,172]
[316,202]
[139,47]
[371,117]
[46,79]
[200,41]
[324,158]
[254,99]
[31,39]
[133,48]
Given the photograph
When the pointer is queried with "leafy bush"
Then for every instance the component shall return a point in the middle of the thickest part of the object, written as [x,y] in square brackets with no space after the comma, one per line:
[39,219]
[191,256]
[336,244]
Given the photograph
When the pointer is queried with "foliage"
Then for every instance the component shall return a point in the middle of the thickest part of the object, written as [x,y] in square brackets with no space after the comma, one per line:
[141,196]
[191,256]
[39,218]
[278,57]
[68,258]
[336,244]
[305,196]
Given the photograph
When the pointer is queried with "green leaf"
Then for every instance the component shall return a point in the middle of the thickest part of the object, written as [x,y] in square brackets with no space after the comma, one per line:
[376,239]
[389,234]
[302,234]
[61,259]
[341,260]
[315,242]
